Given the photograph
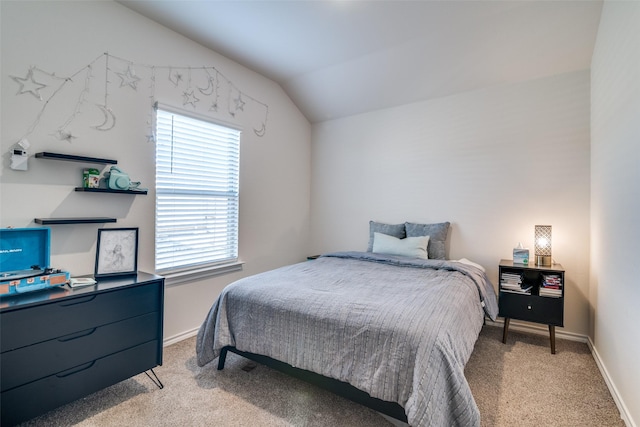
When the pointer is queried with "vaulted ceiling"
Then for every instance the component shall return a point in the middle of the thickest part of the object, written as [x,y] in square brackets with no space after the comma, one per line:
[336,58]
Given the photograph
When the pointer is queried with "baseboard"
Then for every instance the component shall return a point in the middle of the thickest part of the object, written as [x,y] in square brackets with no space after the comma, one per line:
[180,337]
[624,412]
[538,330]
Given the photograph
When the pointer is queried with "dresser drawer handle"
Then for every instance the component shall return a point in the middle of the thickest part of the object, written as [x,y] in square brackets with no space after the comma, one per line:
[76,369]
[529,307]
[78,301]
[77,335]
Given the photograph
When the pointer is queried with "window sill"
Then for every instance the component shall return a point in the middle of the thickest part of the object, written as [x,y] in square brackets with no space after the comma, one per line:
[176,278]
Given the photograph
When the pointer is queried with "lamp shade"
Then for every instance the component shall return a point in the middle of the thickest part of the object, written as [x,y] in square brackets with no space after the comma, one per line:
[543,244]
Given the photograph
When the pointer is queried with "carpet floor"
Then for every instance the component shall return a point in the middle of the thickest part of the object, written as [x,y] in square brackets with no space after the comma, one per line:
[515,384]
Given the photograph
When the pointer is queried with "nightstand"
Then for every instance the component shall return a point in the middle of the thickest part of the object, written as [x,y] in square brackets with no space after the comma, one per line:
[532,293]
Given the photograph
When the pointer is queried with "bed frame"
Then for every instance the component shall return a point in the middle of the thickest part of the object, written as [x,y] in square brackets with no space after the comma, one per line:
[340,388]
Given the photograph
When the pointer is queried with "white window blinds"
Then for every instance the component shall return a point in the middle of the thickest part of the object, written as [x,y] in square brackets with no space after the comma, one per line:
[197,171]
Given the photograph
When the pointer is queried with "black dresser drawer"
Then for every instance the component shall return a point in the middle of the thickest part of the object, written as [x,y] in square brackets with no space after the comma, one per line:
[30,400]
[49,357]
[75,314]
[532,308]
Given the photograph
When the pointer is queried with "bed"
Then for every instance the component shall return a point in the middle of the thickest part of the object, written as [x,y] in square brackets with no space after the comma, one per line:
[397,330]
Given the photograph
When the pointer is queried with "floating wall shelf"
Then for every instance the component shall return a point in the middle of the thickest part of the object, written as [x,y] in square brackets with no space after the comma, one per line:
[73,158]
[87,220]
[109,190]
[83,159]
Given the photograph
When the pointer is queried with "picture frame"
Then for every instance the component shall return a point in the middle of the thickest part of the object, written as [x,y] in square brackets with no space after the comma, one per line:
[116,252]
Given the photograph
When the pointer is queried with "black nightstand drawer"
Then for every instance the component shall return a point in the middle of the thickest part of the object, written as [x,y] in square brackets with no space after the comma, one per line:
[532,308]
[49,357]
[58,319]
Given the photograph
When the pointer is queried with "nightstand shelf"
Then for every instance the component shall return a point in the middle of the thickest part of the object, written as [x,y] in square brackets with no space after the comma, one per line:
[531,293]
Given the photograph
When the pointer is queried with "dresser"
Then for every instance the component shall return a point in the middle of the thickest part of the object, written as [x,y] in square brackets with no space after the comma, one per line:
[62,344]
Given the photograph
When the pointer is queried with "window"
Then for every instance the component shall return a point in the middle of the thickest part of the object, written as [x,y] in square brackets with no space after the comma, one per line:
[197,191]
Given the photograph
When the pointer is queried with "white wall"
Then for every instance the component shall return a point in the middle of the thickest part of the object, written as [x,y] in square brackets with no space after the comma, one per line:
[615,200]
[63,37]
[493,162]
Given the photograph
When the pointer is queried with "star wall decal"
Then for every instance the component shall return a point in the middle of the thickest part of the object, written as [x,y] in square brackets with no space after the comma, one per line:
[129,78]
[64,135]
[189,98]
[206,82]
[29,85]
[239,103]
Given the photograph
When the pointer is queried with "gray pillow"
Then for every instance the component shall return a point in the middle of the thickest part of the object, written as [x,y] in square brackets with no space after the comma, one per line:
[437,236]
[395,230]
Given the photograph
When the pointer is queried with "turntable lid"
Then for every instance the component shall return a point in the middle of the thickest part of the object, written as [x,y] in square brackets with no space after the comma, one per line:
[22,248]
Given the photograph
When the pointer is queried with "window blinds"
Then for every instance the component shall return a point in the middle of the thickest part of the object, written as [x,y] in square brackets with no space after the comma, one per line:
[197,191]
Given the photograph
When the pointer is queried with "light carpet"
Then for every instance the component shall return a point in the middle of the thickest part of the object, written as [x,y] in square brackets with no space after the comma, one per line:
[515,384]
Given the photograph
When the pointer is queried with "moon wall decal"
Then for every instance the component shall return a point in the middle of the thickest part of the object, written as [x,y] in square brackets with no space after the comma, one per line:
[260,132]
[109,119]
[209,89]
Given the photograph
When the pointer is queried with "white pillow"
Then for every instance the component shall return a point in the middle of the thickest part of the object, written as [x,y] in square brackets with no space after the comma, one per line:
[466,261]
[409,246]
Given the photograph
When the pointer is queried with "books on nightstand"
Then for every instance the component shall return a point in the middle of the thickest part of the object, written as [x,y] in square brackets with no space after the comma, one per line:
[512,282]
[551,286]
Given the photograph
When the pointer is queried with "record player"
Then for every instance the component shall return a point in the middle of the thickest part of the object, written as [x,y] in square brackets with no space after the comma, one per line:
[24,261]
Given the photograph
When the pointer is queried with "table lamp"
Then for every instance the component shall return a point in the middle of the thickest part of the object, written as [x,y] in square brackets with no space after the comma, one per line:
[543,245]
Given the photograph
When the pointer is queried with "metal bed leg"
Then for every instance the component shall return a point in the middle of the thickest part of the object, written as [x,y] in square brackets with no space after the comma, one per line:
[222,358]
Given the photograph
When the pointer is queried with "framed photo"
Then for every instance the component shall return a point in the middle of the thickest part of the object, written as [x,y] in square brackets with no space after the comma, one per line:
[117,252]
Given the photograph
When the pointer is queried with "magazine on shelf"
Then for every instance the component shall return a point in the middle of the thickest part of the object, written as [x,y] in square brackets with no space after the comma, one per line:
[521,291]
[515,287]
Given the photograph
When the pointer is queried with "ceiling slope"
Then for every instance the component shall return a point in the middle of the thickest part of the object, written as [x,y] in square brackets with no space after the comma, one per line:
[339,58]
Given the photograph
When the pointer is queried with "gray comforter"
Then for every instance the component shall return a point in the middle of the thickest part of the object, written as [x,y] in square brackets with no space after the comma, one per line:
[401,329]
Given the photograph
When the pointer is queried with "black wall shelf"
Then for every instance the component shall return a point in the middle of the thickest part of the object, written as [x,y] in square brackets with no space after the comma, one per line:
[73,158]
[87,220]
[83,159]
[109,190]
